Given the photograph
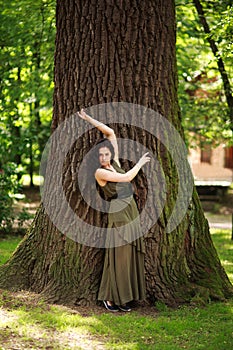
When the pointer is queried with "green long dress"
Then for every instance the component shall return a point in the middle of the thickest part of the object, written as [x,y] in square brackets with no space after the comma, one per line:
[123,277]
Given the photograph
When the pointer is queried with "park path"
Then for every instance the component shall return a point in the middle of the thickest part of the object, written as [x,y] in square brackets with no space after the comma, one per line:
[219,221]
[221,225]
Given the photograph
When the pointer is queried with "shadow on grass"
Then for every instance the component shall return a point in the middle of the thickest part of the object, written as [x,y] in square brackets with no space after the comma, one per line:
[27,322]
[31,321]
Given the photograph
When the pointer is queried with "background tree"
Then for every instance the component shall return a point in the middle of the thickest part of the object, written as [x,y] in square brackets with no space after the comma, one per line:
[117,51]
[27,32]
[217,54]
[202,97]
[26,80]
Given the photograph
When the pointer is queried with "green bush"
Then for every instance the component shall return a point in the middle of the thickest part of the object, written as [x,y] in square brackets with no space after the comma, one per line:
[9,186]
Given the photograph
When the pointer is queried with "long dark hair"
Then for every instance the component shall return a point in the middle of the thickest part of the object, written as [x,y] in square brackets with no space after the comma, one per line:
[87,186]
[93,163]
[104,143]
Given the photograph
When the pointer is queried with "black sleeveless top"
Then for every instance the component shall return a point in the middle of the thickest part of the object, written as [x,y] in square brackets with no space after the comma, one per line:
[117,190]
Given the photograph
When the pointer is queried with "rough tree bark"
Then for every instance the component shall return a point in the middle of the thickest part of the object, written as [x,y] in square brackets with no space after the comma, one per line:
[117,51]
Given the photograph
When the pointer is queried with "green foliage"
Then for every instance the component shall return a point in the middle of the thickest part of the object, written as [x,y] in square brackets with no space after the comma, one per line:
[201,95]
[27,32]
[222,33]
[9,185]
[9,191]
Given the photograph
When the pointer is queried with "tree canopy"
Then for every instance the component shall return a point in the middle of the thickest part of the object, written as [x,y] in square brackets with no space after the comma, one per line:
[27,47]
[201,92]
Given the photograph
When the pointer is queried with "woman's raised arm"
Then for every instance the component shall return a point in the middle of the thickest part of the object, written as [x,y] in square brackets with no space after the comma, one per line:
[106,130]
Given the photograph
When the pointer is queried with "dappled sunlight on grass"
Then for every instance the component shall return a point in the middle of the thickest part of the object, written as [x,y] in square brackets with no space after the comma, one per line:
[6,317]
[27,322]
[187,327]
[54,327]
[32,320]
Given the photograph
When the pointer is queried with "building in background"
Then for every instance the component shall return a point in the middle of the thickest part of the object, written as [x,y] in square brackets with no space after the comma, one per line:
[212,168]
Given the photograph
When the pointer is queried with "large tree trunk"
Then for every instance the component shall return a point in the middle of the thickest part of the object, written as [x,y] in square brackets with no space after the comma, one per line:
[118,51]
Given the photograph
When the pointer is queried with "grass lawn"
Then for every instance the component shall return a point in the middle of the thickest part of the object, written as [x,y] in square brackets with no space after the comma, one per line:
[7,246]
[26,322]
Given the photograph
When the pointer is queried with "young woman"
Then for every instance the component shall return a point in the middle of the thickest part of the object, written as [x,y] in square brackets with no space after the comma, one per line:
[123,278]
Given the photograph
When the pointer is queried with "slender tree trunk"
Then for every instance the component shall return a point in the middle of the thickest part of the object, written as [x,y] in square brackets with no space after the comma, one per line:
[16,131]
[117,51]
